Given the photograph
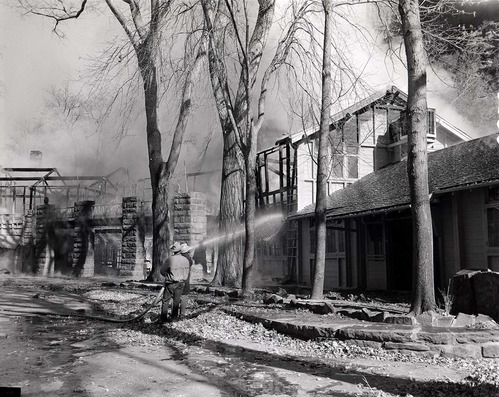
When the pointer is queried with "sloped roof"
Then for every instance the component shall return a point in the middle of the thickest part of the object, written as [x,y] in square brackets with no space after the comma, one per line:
[466,164]
[391,95]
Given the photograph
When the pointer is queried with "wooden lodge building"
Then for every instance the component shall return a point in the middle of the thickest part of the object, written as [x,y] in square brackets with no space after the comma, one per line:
[369,226]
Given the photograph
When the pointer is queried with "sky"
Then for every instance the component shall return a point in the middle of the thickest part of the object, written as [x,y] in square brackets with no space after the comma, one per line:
[34,60]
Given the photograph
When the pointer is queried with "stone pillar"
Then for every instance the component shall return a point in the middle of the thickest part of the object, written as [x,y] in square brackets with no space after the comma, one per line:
[189,218]
[83,239]
[44,253]
[132,239]
[25,253]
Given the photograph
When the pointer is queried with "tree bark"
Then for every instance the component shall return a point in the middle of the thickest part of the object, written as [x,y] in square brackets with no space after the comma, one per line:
[157,170]
[423,294]
[324,157]
[229,269]
[249,211]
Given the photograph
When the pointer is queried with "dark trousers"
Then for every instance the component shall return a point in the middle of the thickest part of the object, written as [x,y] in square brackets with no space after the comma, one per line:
[173,291]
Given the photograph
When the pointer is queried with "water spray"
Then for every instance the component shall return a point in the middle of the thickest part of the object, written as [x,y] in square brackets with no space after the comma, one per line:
[231,236]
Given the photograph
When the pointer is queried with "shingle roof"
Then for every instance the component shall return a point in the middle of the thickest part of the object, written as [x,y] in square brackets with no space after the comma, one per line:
[466,164]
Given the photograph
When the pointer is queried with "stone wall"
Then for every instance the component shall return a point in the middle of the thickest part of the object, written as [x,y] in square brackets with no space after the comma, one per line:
[189,219]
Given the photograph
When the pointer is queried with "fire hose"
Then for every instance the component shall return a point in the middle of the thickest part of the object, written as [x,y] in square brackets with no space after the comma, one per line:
[128,320]
[112,320]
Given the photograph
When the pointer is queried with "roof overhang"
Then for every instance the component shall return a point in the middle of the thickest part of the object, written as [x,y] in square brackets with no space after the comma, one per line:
[399,207]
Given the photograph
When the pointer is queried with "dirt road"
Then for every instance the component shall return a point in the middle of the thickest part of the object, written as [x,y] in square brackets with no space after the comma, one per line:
[48,348]
[44,353]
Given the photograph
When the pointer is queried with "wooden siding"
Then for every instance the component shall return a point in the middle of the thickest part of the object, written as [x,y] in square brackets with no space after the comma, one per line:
[304,262]
[376,273]
[450,264]
[474,234]
[331,273]
[366,128]
[366,161]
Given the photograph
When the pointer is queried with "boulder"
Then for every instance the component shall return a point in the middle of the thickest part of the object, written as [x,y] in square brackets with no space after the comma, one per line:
[401,320]
[462,291]
[476,291]
[463,320]
[487,293]
[428,318]
[273,299]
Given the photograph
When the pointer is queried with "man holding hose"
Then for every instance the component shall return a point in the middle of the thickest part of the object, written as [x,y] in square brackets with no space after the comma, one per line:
[175,270]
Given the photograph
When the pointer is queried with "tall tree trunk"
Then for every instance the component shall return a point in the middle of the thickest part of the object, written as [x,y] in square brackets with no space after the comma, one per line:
[229,269]
[159,178]
[423,298]
[249,212]
[324,157]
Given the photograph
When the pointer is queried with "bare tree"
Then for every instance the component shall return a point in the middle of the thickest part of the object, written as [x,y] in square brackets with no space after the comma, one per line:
[417,162]
[240,123]
[142,25]
[324,156]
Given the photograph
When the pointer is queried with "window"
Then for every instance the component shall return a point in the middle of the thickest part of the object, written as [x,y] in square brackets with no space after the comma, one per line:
[330,240]
[335,238]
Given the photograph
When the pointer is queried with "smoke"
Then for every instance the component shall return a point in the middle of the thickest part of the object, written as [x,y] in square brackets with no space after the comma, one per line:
[34,60]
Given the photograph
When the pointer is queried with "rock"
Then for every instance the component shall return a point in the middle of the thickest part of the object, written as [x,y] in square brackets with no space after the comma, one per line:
[461,351]
[282,292]
[445,321]
[428,318]
[484,321]
[236,294]
[380,317]
[110,284]
[327,308]
[464,298]
[403,320]
[476,291]
[370,315]
[490,350]
[419,347]
[487,293]
[219,292]
[463,320]
[273,299]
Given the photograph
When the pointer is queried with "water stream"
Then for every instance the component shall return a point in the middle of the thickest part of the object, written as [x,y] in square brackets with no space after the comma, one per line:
[266,227]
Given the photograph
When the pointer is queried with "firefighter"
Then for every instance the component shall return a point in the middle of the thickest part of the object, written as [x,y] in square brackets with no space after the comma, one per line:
[175,270]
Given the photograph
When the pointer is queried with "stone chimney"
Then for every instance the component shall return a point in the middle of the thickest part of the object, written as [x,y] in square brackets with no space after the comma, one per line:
[35,158]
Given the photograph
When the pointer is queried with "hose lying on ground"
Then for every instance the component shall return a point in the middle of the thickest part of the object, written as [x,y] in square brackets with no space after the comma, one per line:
[111,320]
[128,320]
